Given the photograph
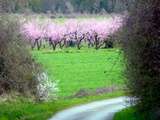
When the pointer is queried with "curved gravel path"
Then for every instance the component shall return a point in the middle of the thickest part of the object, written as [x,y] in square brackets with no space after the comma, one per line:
[100,110]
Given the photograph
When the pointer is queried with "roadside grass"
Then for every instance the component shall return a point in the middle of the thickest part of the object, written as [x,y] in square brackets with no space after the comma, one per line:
[85,69]
[24,110]
[128,114]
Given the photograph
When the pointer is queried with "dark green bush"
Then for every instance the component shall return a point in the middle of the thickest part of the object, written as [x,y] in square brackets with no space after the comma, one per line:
[141,42]
[18,71]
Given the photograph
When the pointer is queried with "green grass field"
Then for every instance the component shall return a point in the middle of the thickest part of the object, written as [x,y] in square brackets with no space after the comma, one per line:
[75,69]
[128,114]
[85,69]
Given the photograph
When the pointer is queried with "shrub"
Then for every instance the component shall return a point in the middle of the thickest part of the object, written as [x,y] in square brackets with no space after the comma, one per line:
[17,68]
[47,89]
[141,44]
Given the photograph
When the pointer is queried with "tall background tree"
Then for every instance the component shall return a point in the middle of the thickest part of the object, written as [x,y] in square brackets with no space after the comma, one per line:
[141,43]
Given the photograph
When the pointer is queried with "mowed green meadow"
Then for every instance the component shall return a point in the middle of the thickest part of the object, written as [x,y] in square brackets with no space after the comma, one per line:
[85,69]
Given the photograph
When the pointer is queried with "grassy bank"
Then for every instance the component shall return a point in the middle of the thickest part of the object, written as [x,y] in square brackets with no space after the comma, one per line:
[24,110]
[128,114]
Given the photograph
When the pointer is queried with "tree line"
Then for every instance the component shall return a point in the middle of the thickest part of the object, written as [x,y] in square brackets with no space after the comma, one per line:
[64,6]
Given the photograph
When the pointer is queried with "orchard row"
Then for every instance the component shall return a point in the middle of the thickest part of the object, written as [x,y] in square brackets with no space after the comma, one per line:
[72,33]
